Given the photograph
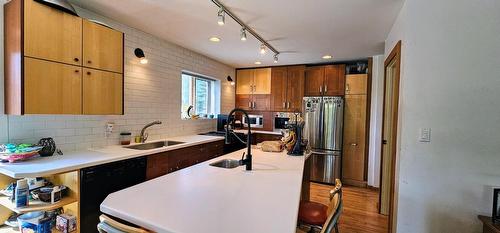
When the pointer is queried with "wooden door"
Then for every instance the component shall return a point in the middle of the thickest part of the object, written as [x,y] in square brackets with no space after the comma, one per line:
[244,81]
[157,165]
[52,88]
[102,47]
[261,102]
[244,101]
[51,34]
[334,80]
[279,83]
[102,92]
[262,81]
[356,84]
[354,156]
[295,90]
[314,81]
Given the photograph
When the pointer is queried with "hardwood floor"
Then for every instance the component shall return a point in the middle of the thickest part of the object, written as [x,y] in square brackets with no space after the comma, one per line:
[360,213]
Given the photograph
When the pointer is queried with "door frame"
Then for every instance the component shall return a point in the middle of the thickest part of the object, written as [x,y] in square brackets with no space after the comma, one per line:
[395,54]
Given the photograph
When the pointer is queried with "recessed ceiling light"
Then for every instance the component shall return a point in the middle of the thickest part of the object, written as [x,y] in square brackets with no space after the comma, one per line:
[214,39]
[258,63]
[327,57]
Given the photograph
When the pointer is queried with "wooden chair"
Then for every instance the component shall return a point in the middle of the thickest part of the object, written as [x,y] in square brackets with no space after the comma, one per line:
[109,225]
[316,216]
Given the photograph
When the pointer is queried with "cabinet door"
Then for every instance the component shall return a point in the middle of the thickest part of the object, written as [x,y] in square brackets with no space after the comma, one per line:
[244,101]
[354,157]
[261,102]
[102,92]
[334,80]
[102,47]
[278,88]
[295,90]
[314,81]
[52,34]
[157,165]
[262,81]
[356,84]
[52,88]
[244,81]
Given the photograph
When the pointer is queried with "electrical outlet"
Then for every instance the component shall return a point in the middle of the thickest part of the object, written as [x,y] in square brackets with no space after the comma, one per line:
[425,135]
[109,129]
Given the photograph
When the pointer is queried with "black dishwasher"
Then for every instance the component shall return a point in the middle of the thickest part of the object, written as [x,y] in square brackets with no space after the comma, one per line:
[99,181]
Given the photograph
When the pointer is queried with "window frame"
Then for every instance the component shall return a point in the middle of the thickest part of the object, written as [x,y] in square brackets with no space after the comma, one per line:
[212,90]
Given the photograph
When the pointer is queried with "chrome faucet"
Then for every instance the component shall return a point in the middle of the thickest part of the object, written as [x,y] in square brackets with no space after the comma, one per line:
[229,133]
[144,136]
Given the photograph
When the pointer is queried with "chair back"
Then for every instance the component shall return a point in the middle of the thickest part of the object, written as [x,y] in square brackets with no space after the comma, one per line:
[334,208]
[109,225]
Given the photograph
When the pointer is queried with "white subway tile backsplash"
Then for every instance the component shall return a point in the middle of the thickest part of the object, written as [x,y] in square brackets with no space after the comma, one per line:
[152,92]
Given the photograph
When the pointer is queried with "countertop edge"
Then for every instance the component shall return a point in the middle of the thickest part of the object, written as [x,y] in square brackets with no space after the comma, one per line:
[18,175]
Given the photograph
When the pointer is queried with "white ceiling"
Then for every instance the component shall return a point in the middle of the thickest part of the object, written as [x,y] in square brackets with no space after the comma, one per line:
[302,30]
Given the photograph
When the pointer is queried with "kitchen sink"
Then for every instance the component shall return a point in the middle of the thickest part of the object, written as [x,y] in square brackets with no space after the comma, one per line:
[226,163]
[154,145]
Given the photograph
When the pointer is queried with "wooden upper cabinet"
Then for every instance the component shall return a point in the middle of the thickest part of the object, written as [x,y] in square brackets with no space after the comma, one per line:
[261,102]
[52,88]
[244,81]
[356,84]
[279,84]
[295,89]
[52,34]
[102,47]
[334,80]
[262,81]
[314,81]
[102,92]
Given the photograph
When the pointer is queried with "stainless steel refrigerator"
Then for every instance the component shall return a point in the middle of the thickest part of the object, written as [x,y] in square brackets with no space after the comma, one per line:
[323,118]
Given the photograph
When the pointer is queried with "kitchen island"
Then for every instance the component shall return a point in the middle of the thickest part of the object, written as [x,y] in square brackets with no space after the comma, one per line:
[203,198]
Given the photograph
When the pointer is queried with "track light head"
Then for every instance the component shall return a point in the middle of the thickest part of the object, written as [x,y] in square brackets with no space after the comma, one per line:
[221,16]
[243,34]
[275,58]
[262,49]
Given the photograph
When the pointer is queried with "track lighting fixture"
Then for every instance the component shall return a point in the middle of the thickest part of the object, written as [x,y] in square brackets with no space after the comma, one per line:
[243,34]
[221,17]
[275,58]
[139,53]
[262,49]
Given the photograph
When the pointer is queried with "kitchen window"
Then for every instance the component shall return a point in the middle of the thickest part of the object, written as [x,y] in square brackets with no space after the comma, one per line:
[200,96]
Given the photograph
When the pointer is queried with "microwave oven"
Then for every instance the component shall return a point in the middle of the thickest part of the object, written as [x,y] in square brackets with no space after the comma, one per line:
[256,121]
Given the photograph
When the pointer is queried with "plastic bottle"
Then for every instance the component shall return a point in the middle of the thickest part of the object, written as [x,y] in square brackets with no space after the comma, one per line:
[22,193]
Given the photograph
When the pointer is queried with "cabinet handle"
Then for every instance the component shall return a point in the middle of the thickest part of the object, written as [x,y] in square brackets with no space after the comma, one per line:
[321,89]
[89,61]
[76,59]
[326,88]
[347,88]
[77,71]
[284,104]
[354,144]
[250,104]
[288,105]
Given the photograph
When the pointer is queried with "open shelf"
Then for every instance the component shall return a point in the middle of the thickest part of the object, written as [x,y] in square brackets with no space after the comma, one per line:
[7,229]
[36,205]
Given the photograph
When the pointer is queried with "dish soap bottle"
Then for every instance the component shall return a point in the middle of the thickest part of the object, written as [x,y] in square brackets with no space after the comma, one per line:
[22,193]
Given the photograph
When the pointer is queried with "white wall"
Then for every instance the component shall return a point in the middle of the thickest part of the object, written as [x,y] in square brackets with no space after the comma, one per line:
[377,99]
[152,92]
[450,83]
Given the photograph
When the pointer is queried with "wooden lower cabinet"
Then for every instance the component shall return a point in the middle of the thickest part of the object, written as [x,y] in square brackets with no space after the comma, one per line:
[167,162]
[261,137]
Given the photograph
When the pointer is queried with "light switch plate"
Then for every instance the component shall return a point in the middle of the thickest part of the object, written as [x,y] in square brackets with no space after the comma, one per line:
[425,135]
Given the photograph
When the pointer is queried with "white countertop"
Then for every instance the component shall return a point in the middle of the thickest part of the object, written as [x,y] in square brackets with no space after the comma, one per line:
[208,199]
[245,131]
[45,166]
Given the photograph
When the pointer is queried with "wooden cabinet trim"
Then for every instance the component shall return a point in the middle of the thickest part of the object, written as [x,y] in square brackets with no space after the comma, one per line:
[13,57]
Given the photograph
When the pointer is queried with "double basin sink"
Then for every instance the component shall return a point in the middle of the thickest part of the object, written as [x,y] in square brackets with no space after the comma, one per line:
[225,163]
